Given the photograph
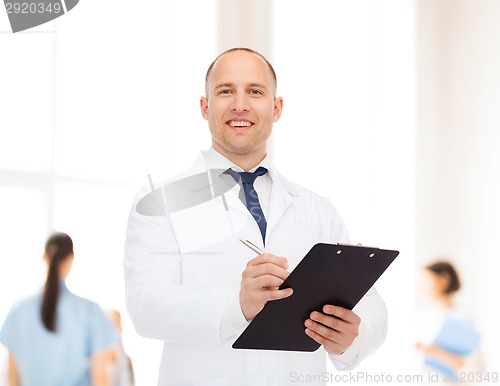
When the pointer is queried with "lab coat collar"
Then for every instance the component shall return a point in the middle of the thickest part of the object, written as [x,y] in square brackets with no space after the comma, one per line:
[282,196]
[282,193]
[215,160]
[215,201]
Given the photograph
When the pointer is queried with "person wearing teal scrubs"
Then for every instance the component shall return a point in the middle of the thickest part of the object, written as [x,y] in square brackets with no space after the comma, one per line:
[54,337]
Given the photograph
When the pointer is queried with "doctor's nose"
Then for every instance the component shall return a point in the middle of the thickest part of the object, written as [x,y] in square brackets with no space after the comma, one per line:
[240,103]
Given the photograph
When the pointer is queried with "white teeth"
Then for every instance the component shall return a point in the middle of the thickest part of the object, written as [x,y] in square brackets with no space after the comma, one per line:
[240,124]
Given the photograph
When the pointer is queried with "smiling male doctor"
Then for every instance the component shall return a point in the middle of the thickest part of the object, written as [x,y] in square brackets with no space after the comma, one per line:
[191,283]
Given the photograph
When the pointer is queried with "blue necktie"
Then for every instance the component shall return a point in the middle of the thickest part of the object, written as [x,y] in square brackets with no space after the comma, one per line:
[249,196]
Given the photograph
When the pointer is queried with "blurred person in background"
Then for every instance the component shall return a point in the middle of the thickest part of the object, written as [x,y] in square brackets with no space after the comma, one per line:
[54,337]
[450,342]
[121,371]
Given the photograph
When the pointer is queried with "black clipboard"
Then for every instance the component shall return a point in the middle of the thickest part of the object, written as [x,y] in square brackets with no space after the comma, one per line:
[335,274]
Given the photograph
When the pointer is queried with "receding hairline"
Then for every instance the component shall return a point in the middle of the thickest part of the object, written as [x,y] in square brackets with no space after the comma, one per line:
[245,49]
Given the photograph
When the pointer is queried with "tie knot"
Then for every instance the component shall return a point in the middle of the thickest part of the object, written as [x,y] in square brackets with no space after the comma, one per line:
[249,178]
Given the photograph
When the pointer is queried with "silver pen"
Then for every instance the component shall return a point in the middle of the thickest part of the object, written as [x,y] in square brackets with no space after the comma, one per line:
[255,248]
[252,246]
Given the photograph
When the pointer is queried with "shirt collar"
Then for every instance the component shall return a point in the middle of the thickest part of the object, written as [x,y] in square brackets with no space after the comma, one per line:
[215,160]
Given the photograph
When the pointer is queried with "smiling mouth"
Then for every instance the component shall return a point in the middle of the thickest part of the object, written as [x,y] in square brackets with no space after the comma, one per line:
[239,123]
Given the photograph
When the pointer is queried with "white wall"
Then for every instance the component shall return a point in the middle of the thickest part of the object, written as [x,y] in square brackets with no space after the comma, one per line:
[89,104]
[346,71]
[458,158]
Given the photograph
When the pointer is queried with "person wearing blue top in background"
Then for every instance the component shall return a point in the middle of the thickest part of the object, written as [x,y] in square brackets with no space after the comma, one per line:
[451,349]
[56,338]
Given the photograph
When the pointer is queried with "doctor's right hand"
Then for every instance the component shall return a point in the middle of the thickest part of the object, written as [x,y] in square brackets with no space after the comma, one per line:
[260,281]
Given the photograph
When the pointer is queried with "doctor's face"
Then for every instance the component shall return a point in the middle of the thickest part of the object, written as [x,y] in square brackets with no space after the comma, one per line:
[240,106]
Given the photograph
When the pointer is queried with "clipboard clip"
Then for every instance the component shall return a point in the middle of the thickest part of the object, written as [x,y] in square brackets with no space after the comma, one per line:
[356,245]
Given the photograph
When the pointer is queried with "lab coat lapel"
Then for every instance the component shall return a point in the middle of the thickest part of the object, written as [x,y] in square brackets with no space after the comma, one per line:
[230,197]
[281,199]
[216,219]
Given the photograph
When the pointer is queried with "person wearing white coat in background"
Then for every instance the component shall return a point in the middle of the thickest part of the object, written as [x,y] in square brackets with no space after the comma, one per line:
[191,283]
[119,366]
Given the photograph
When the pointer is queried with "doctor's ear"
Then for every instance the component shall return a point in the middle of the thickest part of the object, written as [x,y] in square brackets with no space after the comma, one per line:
[278,108]
[204,107]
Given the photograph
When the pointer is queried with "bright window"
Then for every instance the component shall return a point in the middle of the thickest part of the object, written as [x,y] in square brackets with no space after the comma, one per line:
[90,104]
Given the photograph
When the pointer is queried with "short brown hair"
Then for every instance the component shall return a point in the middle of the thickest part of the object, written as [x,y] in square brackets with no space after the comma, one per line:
[443,268]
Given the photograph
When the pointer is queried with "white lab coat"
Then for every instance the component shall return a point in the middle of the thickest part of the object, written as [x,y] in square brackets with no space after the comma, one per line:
[182,278]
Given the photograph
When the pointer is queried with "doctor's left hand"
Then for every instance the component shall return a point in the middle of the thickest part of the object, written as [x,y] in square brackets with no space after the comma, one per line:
[335,328]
